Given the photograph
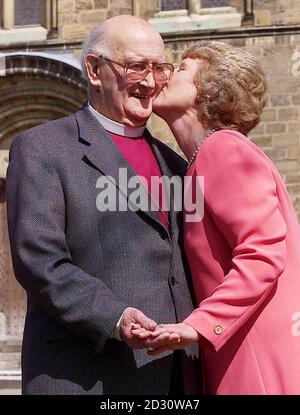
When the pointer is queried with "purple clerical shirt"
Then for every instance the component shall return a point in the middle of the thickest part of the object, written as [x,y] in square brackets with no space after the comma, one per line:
[139,155]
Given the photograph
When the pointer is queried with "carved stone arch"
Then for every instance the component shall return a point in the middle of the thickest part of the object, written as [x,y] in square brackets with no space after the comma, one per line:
[37,88]
[34,88]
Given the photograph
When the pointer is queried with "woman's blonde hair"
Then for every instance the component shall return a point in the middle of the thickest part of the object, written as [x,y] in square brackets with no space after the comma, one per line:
[231,86]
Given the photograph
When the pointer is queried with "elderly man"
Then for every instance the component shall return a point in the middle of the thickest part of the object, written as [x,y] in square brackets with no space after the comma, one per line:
[91,273]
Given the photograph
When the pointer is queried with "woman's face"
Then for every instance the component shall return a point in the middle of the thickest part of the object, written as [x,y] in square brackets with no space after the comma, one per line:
[180,92]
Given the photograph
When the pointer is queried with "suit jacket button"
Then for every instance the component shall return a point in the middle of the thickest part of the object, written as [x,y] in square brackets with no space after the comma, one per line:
[163,236]
[218,329]
[172,280]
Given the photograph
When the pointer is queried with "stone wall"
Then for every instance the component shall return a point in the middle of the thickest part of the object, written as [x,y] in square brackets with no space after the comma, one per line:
[278,133]
[76,17]
[273,12]
[279,12]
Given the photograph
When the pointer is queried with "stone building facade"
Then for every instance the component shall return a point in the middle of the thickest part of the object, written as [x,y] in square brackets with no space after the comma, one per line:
[40,80]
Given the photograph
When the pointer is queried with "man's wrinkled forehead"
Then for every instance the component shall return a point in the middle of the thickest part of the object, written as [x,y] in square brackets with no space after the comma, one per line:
[144,57]
[151,51]
[140,45]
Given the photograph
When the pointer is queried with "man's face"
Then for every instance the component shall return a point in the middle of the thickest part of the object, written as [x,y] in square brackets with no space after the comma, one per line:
[120,99]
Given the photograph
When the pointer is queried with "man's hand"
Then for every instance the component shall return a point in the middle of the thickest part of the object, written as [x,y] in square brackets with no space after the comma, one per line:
[168,336]
[134,319]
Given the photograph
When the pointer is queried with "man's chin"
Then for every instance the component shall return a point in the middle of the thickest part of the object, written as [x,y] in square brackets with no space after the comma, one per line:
[140,117]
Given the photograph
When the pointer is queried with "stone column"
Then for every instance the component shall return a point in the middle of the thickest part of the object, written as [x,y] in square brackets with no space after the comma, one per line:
[194,6]
[2,325]
[12,295]
[8,14]
[4,156]
[146,8]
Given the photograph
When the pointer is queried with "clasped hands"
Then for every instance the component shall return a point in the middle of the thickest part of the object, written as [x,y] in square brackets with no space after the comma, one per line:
[139,332]
[166,337]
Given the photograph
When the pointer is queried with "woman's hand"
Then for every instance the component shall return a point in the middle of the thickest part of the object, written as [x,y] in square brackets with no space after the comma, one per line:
[168,336]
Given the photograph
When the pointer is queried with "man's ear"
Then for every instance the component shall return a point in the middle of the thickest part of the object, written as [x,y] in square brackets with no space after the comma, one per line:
[92,70]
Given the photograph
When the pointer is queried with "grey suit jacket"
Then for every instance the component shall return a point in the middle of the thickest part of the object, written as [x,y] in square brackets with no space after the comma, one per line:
[81,267]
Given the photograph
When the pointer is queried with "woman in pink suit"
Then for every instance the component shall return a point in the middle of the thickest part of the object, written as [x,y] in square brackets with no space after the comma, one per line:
[244,253]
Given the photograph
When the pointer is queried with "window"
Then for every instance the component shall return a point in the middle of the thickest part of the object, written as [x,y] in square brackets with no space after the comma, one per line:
[215,3]
[20,13]
[168,5]
[28,12]
[29,20]
[173,5]
[195,15]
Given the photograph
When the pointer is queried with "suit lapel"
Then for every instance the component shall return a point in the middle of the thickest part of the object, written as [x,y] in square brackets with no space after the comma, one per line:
[101,153]
[165,171]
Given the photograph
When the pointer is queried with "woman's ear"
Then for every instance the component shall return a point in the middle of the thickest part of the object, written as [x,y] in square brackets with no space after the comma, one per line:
[92,70]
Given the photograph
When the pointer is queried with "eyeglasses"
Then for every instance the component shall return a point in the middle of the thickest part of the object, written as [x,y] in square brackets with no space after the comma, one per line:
[136,71]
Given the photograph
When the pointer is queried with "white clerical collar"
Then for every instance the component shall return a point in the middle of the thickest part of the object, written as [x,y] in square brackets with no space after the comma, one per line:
[115,127]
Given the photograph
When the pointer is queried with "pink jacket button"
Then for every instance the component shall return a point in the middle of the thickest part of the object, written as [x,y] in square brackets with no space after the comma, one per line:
[218,329]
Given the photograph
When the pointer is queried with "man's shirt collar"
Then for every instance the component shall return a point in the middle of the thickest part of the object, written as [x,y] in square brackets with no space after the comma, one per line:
[115,127]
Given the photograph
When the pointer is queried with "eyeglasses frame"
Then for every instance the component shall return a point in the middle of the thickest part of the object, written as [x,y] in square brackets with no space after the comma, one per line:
[149,67]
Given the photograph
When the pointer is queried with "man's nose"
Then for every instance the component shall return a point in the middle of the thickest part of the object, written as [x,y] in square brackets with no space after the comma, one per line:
[149,80]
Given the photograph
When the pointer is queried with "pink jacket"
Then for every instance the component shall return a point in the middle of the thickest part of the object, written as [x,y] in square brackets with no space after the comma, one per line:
[245,261]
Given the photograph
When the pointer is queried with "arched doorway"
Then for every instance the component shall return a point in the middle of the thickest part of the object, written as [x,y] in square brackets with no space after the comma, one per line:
[34,88]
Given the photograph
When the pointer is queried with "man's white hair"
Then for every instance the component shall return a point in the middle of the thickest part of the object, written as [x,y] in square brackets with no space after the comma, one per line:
[95,43]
